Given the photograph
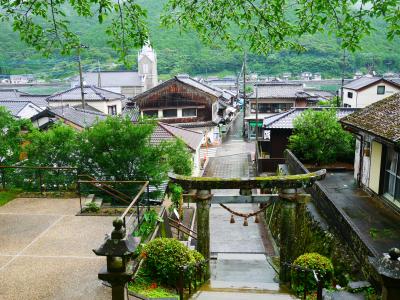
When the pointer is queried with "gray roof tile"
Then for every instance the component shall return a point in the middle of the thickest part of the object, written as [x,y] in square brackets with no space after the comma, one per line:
[112,78]
[285,120]
[80,117]
[279,90]
[92,93]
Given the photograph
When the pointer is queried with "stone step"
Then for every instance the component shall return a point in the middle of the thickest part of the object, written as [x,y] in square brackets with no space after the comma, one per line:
[98,201]
[89,198]
[240,295]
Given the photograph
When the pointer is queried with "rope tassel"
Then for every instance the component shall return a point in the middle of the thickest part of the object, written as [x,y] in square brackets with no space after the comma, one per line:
[256,219]
[245,223]
[232,219]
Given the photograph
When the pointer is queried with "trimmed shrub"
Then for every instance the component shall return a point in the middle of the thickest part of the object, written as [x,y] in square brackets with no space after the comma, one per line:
[314,261]
[164,257]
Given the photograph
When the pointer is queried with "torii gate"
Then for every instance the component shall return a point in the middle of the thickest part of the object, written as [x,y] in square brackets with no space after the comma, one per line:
[287,193]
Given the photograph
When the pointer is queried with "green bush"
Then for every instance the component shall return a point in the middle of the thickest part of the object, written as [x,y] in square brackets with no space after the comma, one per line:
[314,261]
[164,257]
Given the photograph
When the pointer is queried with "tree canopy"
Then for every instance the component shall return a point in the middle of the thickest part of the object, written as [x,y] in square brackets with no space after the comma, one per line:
[262,26]
[113,148]
[319,138]
[11,137]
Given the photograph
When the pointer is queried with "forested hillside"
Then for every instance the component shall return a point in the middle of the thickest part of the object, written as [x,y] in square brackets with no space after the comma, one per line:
[184,53]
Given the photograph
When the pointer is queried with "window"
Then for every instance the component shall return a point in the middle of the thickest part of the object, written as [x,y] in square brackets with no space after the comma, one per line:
[381,90]
[189,112]
[112,110]
[349,95]
[151,113]
[392,175]
[272,107]
[170,113]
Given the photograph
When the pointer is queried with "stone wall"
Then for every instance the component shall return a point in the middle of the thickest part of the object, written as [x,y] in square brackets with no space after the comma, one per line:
[336,219]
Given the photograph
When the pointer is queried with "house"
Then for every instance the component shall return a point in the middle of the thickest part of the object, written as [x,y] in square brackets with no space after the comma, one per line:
[77,118]
[364,91]
[22,79]
[275,136]
[377,154]
[8,94]
[184,102]
[96,99]
[20,109]
[127,83]
[275,97]
[192,139]
[17,95]
[306,76]
[226,83]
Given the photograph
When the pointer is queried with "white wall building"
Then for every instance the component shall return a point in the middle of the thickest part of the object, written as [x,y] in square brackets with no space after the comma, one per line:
[364,91]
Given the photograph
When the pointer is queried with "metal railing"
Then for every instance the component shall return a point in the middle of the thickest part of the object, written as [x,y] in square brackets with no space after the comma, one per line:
[191,277]
[319,280]
[39,178]
[113,191]
[182,228]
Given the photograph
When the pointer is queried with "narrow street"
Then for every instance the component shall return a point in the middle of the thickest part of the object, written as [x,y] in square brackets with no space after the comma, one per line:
[241,255]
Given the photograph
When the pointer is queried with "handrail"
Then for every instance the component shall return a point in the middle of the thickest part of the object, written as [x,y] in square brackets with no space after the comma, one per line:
[110,193]
[141,191]
[178,226]
[127,198]
[200,273]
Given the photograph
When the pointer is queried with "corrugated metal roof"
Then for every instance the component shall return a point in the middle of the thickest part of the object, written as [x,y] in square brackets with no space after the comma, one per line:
[285,120]
[92,93]
[381,118]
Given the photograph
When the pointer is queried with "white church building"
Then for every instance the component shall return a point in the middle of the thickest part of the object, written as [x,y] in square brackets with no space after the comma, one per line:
[127,83]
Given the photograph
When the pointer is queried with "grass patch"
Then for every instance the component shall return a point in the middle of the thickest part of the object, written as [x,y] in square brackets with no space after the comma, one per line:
[8,195]
[144,286]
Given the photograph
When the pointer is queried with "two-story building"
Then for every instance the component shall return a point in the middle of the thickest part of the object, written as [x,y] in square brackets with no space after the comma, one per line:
[364,91]
[185,102]
[377,153]
[96,99]
[273,98]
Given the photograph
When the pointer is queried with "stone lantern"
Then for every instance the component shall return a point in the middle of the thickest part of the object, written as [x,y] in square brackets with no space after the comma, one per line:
[388,268]
[118,250]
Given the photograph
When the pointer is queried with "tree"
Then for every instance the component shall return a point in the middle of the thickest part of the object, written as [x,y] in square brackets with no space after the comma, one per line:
[45,25]
[319,138]
[263,26]
[118,148]
[56,147]
[179,157]
[11,137]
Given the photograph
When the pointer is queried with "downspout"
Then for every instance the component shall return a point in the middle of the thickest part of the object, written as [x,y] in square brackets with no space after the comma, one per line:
[360,164]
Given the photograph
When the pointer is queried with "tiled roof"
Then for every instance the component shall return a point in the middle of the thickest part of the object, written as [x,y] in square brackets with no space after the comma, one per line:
[363,82]
[9,94]
[14,107]
[132,111]
[279,90]
[381,118]
[199,124]
[80,117]
[165,132]
[38,100]
[201,86]
[285,120]
[112,79]
[92,93]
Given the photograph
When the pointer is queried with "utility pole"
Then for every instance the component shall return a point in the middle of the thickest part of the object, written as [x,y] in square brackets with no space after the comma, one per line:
[244,93]
[80,74]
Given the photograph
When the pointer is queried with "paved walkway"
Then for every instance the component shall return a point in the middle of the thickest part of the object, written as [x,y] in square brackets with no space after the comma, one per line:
[46,251]
[379,226]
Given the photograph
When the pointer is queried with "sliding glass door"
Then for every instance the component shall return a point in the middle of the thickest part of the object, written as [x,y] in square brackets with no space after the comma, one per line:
[392,175]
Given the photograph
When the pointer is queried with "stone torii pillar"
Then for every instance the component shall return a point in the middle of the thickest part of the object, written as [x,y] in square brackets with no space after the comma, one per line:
[203,204]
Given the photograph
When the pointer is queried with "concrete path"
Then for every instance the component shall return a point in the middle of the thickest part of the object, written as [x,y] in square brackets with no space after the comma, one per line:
[379,226]
[46,251]
[240,267]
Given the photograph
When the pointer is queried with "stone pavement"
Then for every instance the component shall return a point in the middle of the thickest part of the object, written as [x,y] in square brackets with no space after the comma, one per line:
[46,250]
[378,225]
